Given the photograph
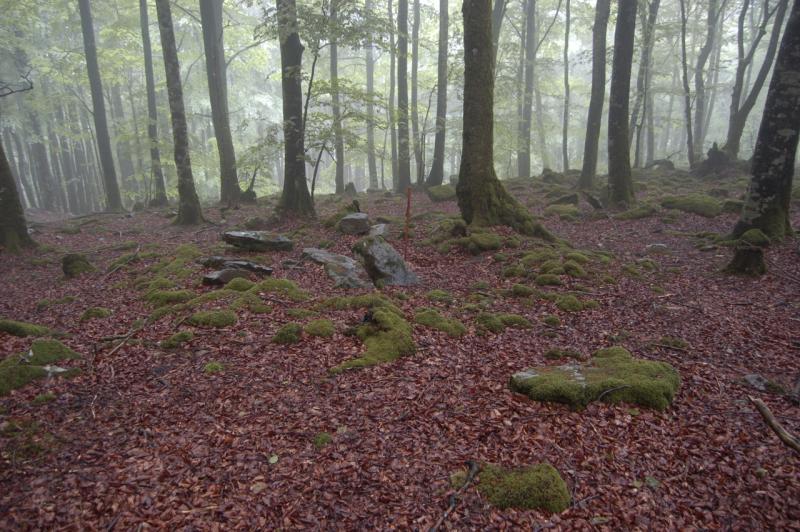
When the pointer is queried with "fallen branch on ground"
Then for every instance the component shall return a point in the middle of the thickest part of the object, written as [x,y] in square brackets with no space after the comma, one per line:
[789,439]
[474,468]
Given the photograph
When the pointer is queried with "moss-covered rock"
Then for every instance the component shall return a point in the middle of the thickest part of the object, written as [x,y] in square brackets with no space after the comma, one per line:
[479,241]
[432,318]
[557,354]
[21,328]
[547,279]
[161,298]
[732,206]
[563,211]
[177,339]
[497,323]
[240,284]
[20,369]
[282,287]
[288,334]
[323,328]
[537,487]
[217,319]
[387,336]
[372,300]
[611,375]
[576,256]
[693,203]
[96,313]
[637,213]
[441,193]
[75,264]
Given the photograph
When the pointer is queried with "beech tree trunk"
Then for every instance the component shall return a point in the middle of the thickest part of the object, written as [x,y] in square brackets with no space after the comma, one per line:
[189,212]
[13,228]
[371,163]
[216,72]
[403,147]
[436,175]
[157,176]
[524,136]
[565,122]
[643,77]
[415,132]
[498,13]
[391,109]
[113,199]
[482,199]
[620,181]
[596,100]
[295,198]
[714,14]
[122,145]
[769,193]
[687,95]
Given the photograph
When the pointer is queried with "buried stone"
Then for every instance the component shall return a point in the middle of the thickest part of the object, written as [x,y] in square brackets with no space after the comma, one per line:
[354,224]
[223,277]
[383,263]
[346,272]
[611,375]
[258,241]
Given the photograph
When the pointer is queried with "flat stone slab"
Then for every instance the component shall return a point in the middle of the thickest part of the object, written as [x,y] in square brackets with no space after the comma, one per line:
[356,223]
[379,230]
[223,277]
[345,271]
[383,263]
[236,264]
[258,241]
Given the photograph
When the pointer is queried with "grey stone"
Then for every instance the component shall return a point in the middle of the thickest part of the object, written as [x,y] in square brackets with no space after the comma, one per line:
[379,230]
[258,241]
[355,224]
[236,264]
[223,277]
[657,248]
[346,272]
[383,263]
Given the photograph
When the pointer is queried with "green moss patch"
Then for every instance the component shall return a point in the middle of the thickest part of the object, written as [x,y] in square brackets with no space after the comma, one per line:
[240,284]
[23,439]
[161,298]
[282,287]
[552,320]
[321,439]
[21,328]
[75,264]
[213,367]
[43,304]
[694,203]
[537,487]
[570,303]
[386,337]
[372,300]
[521,290]
[431,318]
[557,354]
[177,339]
[441,193]
[323,328]
[497,323]
[213,318]
[288,334]
[20,369]
[637,213]
[547,279]
[573,269]
[611,375]
[96,313]
[563,211]
[300,313]
[442,296]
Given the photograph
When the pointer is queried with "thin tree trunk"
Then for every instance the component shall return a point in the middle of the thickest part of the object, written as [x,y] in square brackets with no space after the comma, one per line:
[403,147]
[113,199]
[565,122]
[371,163]
[392,88]
[687,96]
[415,132]
[620,181]
[189,212]
[524,135]
[216,73]
[714,12]
[498,13]
[436,176]
[123,146]
[338,141]
[643,77]
[295,197]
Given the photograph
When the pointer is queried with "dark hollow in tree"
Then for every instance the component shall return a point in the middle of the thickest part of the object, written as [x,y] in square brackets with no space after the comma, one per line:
[436,175]
[403,148]
[769,193]
[216,73]
[482,199]
[189,212]
[160,194]
[113,199]
[620,181]
[295,198]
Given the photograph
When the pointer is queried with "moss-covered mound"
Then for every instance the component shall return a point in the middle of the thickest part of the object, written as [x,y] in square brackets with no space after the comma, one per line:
[537,487]
[497,323]
[441,193]
[611,375]
[323,328]
[177,339]
[75,264]
[281,287]
[693,203]
[563,211]
[288,334]
[213,318]
[240,284]
[161,298]
[637,213]
[387,336]
[21,328]
[431,318]
[19,369]
[96,312]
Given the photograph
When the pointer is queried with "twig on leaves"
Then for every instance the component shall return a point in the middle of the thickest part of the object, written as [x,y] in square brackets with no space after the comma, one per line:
[611,390]
[119,345]
[474,469]
[676,348]
[789,439]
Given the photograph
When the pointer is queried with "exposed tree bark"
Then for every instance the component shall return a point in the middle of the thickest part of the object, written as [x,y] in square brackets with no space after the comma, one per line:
[620,181]
[498,14]
[687,95]
[415,132]
[371,163]
[295,197]
[524,135]
[596,100]
[113,199]
[216,72]
[565,122]
[741,105]
[189,212]
[769,193]
[391,109]
[482,199]
[13,228]
[157,176]
[403,147]
[436,175]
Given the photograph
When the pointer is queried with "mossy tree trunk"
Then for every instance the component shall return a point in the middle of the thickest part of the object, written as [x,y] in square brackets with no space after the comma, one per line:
[481,197]
[295,198]
[769,193]
[189,212]
[13,229]
[436,175]
[597,98]
[620,181]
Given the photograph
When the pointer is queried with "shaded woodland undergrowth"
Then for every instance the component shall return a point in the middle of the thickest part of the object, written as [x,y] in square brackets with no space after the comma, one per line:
[175,422]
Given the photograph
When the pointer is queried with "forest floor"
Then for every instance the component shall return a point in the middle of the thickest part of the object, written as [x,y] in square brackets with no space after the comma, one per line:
[145,435]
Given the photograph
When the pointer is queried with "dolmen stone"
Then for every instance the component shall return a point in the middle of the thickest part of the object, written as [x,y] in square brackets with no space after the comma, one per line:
[383,263]
[345,271]
[236,264]
[258,241]
[223,277]
[356,223]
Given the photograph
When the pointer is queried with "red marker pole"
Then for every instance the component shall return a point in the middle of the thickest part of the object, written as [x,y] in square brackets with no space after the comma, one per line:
[408,214]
